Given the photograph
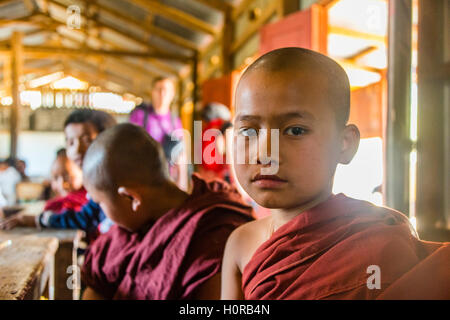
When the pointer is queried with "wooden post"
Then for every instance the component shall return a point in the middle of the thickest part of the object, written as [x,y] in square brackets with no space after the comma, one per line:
[16,71]
[289,6]
[195,80]
[7,75]
[433,135]
[227,40]
[398,143]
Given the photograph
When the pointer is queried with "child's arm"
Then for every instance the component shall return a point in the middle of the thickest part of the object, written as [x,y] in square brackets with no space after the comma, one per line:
[18,221]
[91,294]
[231,274]
[87,219]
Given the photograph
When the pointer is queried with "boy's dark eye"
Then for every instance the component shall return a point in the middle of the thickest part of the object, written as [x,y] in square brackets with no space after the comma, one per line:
[295,131]
[248,132]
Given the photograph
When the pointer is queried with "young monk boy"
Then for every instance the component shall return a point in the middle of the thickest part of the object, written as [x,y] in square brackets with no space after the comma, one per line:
[67,183]
[80,128]
[165,244]
[315,245]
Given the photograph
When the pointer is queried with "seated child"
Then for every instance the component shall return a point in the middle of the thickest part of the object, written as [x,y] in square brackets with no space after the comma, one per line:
[80,128]
[165,244]
[315,245]
[216,119]
[67,184]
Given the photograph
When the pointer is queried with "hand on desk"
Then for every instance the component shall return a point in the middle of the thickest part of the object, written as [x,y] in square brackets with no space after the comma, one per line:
[18,221]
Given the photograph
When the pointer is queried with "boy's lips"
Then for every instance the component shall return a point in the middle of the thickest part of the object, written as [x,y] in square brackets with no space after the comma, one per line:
[268,181]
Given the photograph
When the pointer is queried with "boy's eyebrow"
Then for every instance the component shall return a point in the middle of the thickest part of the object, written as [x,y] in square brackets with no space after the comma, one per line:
[280,117]
[246,117]
[295,114]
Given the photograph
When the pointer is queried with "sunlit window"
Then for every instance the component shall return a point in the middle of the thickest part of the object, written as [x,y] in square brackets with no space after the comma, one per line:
[362,178]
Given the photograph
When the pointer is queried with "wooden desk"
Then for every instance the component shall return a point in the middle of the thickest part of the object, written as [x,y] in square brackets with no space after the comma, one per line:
[65,258]
[26,266]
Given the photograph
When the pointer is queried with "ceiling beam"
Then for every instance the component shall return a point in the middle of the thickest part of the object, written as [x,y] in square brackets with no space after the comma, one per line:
[215,4]
[177,16]
[148,28]
[92,79]
[119,66]
[243,5]
[327,3]
[362,53]
[136,39]
[254,26]
[353,64]
[357,34]
[37,51]
[53,24]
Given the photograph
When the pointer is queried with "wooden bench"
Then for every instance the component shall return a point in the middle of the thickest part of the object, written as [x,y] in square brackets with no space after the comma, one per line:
[65,256]
[26,266]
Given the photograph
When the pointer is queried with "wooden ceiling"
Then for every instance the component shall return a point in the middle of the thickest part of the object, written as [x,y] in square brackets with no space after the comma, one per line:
[121,44]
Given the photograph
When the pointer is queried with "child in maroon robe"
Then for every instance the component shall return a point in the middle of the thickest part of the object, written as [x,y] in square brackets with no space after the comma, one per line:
[315,245]
[165,244]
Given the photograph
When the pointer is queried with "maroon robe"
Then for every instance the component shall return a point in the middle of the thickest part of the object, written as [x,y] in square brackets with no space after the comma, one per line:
[173,257]
[327,253]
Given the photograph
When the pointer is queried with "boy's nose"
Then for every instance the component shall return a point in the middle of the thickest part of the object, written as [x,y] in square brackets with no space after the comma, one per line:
[268,146]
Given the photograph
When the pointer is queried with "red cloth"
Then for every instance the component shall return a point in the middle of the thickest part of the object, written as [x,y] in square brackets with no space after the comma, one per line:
[219,169]
[74,200]
[174,256]
[324,253]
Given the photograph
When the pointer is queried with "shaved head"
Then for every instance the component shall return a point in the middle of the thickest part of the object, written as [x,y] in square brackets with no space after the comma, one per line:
[300,62]
[124,155]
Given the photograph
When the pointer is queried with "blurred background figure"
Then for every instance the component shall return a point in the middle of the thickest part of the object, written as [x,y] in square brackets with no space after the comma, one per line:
[66,184]
[216,119]
[157,119]
[65,175]
[9,178]
[21,167]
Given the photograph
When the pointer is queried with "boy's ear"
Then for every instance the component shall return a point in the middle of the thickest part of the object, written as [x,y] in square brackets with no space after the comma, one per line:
[350,143]
[133,195]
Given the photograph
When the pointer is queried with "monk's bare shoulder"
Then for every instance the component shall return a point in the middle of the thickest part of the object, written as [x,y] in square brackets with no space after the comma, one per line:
[244,240]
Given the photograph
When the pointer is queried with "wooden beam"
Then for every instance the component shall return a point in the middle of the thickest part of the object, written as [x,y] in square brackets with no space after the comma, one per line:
[148,28]
[156,63]
[7,75]
[398,143]
[357,34]
[289,6]
[195,82]
[362,53]
[176,15]
[216,4]
[94,79]
[25,34]
[37,51]
[16,72]
[125,34]
[353,64]
[243,5]
[270,10]
[327,3]
[227,40]
[433,129]
[20,21]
